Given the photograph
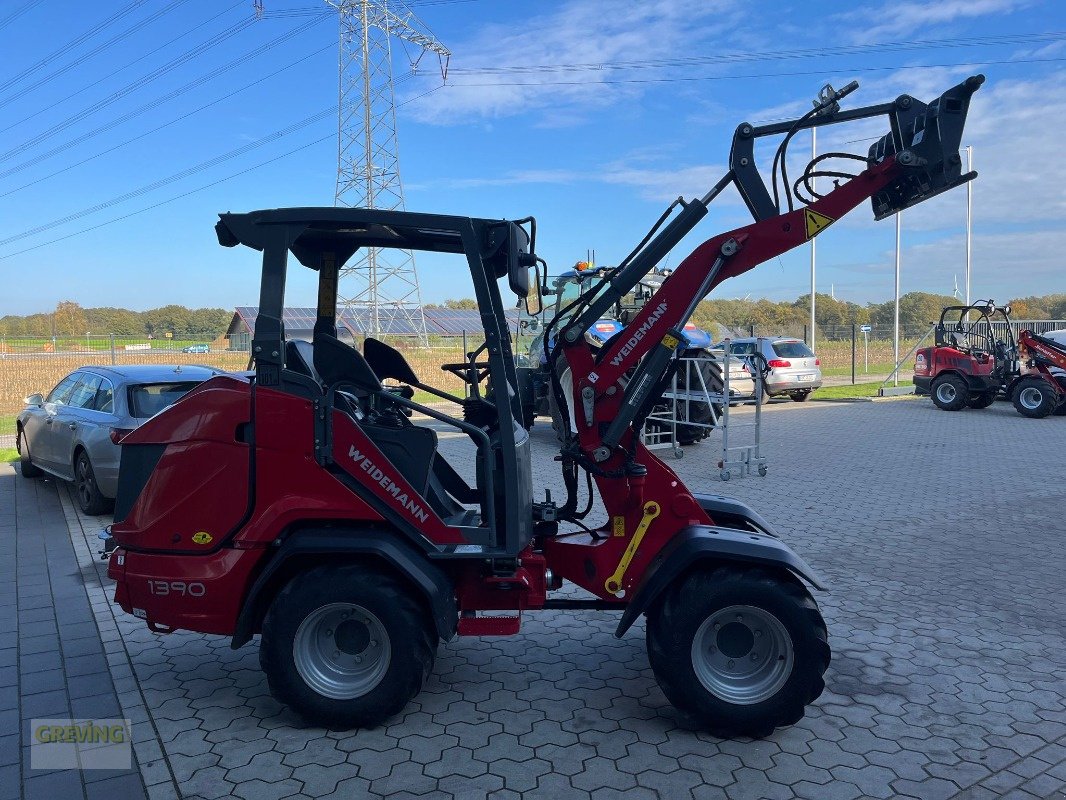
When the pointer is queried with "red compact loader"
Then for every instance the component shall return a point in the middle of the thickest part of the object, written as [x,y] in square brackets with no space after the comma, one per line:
[974,357]
[304,504]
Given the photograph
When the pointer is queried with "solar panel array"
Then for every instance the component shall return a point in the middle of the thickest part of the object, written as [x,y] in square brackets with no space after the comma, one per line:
[439,321]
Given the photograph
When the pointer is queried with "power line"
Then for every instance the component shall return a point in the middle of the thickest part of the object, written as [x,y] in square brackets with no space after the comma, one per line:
[692,78]
[174,121]
[177,176]
[18,12]
[161,12]
[157,73]
[314,11]
[172,199]
[111,73]
[200,188]
[775,55]
[76,42]
[142,109]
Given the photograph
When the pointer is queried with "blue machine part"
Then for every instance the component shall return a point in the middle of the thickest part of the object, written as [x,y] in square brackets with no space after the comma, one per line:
[697,337]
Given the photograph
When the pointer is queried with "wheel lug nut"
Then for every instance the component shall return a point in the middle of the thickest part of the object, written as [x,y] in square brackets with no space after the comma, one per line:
[329,632]
[373,643]
[732,663]
[336,653]
[754,656]
[758,634]
[358,659]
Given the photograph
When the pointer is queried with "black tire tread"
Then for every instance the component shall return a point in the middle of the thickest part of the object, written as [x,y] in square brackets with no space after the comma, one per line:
[1046,408]
[697,585]
[397,595]
[962,392]
[98,504]
[26,467]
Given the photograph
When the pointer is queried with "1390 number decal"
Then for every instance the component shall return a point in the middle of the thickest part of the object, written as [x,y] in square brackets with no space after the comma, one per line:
[163,588]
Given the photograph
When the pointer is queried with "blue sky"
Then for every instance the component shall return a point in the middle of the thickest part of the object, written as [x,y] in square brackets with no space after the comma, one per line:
[591,115]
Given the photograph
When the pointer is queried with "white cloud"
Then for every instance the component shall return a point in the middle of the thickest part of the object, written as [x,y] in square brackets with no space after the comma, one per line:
[651,182]
[913,19]
[580,32]
[1001,269]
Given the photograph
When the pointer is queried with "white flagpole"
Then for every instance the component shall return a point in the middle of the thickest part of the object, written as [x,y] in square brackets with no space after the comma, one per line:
[814,140]
[969,219]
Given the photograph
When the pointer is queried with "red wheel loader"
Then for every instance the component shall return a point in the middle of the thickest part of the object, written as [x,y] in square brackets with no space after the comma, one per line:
[974,358]
[306,505]
[1041,389]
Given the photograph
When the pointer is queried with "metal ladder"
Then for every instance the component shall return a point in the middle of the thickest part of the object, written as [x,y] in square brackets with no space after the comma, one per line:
[662,432]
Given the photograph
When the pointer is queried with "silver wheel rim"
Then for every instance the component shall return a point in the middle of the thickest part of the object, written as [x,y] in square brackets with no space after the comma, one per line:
[1030,398]
[742,654]
[945,393]
[342,651]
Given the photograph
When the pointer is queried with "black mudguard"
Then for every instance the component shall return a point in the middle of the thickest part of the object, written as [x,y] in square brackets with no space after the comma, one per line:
[710,543]
[728,512]
[425,576]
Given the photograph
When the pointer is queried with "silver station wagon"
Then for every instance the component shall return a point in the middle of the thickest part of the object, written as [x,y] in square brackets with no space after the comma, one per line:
[73,432]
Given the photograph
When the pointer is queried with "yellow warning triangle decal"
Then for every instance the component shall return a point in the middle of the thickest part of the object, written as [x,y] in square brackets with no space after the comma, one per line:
[815,222]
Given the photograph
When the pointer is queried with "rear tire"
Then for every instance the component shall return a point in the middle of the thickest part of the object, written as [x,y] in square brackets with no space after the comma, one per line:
[1034,397]
[983,400]
[384,647]
[741,651]
[802,396]
[950,392]
[26,467]
[91,500]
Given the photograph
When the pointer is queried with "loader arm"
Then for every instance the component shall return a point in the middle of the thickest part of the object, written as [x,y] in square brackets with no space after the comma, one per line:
[1044,351]
[916,160]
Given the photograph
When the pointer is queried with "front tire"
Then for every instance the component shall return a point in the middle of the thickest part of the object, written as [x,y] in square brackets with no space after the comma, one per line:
[741,651]
[91,500]
[950,393]
[1034,397]
[26,467]
[346,647]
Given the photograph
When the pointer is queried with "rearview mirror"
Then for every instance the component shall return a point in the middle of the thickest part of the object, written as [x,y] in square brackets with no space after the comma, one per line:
[34,400]
[533,304]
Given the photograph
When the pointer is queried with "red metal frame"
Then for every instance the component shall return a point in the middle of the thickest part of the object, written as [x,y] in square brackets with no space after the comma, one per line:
[588,559]
[1057,357]
[289,486]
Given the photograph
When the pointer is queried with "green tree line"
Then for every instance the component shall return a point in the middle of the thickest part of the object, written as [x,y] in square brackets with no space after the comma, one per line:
[916,309]
[70,319]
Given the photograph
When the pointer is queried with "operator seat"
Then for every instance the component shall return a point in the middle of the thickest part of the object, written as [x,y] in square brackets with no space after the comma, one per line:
[411,449]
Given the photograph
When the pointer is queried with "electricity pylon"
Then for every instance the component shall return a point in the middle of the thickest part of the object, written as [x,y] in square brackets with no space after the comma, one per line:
[380,285]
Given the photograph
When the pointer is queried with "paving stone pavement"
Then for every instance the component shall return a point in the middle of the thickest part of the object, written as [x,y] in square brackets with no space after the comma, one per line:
[941,538]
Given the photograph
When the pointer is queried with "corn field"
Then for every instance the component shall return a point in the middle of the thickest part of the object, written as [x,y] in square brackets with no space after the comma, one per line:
[28,366]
